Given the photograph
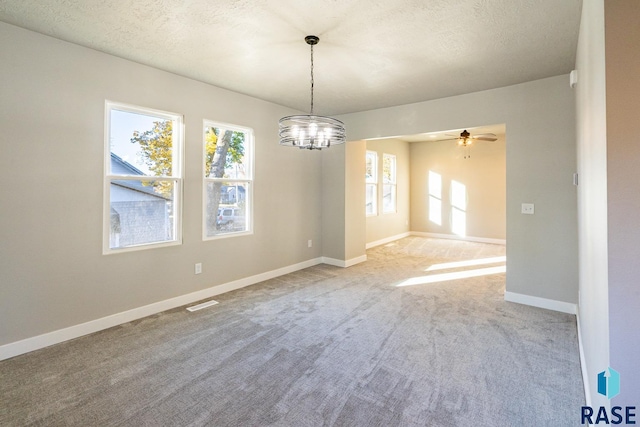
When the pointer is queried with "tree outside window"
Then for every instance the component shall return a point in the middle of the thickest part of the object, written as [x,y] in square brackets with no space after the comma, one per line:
[228,171]
[389,204]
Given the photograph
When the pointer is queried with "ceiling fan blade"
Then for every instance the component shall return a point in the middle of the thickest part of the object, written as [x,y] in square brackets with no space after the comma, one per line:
[448,139]
[486,137]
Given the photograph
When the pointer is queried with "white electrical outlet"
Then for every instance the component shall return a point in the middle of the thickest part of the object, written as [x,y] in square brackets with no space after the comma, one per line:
[528,208]
[199,268]
[309,243]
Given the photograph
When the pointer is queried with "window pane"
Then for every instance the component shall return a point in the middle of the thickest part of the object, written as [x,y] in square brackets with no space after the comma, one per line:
[141,212]
[388,198]
[371,199]
[228,171]
[142,143]
[389,168]
[227,207]
[225,153]
[389,180]
[371,168]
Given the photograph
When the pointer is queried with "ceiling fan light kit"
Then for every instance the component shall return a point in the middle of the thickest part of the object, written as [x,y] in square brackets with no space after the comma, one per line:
[311,132]
[465,138]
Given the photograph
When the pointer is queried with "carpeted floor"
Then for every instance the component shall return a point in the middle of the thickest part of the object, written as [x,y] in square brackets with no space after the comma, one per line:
[382,343]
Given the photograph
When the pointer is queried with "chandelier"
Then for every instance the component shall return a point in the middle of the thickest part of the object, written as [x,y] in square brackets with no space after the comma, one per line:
[311,131]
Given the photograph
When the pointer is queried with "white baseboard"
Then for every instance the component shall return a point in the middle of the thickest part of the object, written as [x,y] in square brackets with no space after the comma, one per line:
[456,237]
[55,337]
[583,362]
[549,304]
[387,240]
[344,263]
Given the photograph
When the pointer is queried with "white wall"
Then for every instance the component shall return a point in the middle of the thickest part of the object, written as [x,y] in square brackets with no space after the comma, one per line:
[608,105]
[387,225]
[592,195]
[483,174]
[540,124]
[52,271]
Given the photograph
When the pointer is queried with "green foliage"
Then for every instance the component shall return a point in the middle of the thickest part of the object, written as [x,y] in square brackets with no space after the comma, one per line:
[156,147]
[235,152]
[387,169]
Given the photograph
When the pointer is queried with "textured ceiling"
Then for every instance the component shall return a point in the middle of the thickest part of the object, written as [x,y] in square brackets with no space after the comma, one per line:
[372,53]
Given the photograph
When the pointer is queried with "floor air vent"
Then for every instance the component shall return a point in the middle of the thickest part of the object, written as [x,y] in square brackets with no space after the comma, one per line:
[201,306]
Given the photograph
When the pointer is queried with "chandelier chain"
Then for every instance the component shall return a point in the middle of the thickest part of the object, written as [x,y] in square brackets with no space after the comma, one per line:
[311,80]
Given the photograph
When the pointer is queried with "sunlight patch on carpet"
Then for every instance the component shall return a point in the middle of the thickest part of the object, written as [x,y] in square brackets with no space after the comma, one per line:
[468,263]
[444,277]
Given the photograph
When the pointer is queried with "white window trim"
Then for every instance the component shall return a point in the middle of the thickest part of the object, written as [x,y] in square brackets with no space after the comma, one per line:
[249,148]
[393,183]
[176,166]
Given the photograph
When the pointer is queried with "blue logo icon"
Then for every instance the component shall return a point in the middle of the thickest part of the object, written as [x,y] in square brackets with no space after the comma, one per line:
[609,383]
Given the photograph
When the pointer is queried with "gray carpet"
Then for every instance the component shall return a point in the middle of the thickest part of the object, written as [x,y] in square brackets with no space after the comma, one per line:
[324,346]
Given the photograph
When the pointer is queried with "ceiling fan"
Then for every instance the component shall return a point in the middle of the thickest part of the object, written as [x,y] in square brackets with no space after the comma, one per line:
[466,139]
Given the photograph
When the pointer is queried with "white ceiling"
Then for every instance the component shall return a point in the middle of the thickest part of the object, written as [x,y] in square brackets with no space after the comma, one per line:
[372,53]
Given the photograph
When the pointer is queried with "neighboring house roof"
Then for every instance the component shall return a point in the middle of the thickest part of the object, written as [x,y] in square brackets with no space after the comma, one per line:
[122,167]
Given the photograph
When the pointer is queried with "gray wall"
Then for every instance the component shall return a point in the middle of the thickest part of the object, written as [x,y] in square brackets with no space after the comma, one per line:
[540,126]
[343,202]
[333,202]
[52,271]
[354,185]
[622,39]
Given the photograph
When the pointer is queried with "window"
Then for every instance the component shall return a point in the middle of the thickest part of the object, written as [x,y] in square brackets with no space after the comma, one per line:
[371,183]
[228,180]
[388,183]
[143,178]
